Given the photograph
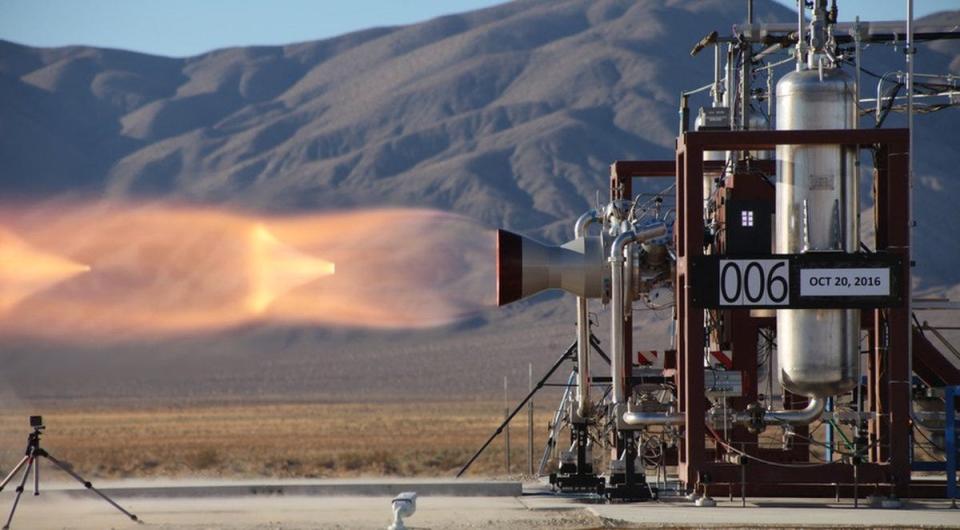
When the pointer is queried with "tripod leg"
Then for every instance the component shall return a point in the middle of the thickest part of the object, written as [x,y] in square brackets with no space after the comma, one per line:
[13,472]
[36,477]
[31,461]
[595,342]
[88,485]
[566,355]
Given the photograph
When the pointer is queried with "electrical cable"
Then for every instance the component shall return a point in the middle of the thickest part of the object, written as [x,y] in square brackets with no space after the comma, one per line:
[835,450]
[932,444]
[887,107]
[846,441]
[768,462]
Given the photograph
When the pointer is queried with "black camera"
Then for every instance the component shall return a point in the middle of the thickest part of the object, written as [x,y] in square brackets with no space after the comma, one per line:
[36,422]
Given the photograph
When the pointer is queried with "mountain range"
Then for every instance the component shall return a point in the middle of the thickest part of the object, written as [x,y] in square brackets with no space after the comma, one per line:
[510,115]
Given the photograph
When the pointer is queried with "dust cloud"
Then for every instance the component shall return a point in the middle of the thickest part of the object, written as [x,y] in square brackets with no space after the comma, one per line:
[111,270]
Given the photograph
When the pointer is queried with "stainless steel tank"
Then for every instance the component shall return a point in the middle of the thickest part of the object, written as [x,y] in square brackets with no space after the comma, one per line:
[817,201]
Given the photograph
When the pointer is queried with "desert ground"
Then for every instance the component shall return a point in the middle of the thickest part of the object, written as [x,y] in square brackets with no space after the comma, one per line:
[280,440]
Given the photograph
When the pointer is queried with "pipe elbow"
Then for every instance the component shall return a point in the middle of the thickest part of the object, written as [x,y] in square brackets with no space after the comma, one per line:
[583,409]
[631,236]
[804,416]
[619,244]
[589,217]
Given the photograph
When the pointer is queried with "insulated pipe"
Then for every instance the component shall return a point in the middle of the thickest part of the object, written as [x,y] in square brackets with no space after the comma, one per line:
[804,416]
[583,328]
[617,261]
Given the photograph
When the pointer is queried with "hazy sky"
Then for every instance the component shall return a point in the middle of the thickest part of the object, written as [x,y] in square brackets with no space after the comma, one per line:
[189,27]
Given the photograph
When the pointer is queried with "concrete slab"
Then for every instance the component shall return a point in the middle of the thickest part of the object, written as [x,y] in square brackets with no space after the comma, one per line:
[303,487]
[759,513]
[56,511]
[260,505]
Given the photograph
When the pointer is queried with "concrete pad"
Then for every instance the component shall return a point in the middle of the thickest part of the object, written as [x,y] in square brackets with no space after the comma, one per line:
[196,488]
[764,513]
[56,511]
[260,505]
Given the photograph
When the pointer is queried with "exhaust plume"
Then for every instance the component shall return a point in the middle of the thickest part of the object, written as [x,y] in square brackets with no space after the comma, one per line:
[160,268]
[25,270]
[276,269]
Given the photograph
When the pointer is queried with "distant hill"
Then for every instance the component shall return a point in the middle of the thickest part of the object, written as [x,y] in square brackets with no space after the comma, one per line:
[509,114]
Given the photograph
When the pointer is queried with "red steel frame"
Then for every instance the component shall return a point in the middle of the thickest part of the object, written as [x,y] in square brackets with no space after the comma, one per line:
[888,378]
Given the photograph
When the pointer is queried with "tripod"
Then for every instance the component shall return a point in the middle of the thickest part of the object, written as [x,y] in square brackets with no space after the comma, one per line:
[30,461]
[570,353]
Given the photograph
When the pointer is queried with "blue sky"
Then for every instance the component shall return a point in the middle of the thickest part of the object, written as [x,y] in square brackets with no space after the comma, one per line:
[188,27]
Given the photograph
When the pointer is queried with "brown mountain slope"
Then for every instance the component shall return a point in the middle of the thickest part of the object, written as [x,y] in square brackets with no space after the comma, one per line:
[510,115]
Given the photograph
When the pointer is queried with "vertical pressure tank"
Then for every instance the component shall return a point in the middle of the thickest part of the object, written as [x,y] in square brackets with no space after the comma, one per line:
[817,202]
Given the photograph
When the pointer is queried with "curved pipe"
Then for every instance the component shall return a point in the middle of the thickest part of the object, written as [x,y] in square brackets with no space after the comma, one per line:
[616,306]
[589,217]
[804,416]
[583,328]
[617,297]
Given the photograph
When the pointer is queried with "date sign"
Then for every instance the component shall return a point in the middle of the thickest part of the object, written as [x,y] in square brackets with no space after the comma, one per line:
[798,281]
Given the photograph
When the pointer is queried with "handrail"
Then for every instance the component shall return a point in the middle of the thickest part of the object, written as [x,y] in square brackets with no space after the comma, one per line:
[943,340]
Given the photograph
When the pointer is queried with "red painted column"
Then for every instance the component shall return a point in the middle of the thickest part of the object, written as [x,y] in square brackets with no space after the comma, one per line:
[897,210]
[692,324]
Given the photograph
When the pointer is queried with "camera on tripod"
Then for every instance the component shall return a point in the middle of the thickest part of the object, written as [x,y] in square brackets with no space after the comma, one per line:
[37,423]
[31,463]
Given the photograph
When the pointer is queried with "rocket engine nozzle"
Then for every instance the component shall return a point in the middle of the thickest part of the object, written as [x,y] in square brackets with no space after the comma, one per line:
[526,267]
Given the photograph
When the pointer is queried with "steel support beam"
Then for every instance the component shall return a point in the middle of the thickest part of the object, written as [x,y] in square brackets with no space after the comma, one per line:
[889,382]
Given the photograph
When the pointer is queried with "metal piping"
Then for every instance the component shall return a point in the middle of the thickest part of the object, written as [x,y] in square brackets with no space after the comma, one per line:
[856,177]
[583,327]
[616,305]
[785,33]
[911,221]
[717,90]
[804,416]
[801,43]
[653,418]
[617,261]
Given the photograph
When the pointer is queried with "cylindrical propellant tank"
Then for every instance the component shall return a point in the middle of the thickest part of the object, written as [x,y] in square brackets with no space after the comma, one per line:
[817,203]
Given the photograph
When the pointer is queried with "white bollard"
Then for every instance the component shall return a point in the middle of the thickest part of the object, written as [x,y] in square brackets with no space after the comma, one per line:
[404,505]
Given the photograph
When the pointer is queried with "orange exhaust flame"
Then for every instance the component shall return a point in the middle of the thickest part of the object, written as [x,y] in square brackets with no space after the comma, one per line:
[25,271]
[277,269]
[159,269]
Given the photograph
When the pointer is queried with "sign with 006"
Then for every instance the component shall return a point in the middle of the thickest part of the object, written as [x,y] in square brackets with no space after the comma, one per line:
[752,282]
[798,281]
